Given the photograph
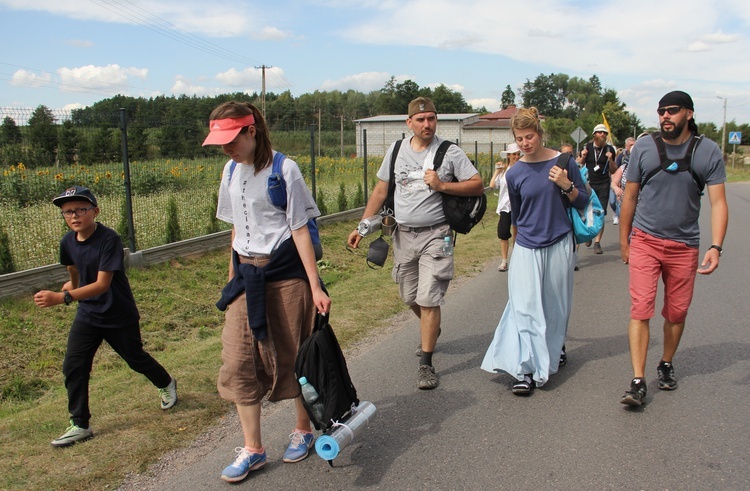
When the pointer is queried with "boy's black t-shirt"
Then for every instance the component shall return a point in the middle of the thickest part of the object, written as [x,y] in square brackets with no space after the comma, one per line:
[101,252]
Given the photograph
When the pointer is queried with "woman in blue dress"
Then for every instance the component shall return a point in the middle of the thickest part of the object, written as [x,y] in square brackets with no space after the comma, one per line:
[529,339]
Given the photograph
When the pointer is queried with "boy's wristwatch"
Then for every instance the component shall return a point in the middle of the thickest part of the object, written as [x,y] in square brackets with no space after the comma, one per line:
[67,298]
[718,248]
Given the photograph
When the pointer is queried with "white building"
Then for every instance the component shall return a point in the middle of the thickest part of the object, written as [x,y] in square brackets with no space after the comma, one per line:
[489,133]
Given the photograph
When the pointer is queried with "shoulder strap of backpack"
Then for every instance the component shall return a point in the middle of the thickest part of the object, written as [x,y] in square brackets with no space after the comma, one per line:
[440,154]
[232,166]
[389,200]
[689,153]
[689,156]
[278,161]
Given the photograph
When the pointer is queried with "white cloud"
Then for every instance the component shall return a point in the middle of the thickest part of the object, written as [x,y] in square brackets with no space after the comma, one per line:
[80,43]
[488,103]
[363,82]
[183,85]
[698,46]
[110,78]
[272,34]
[25,78]
[720,38]
[252,78]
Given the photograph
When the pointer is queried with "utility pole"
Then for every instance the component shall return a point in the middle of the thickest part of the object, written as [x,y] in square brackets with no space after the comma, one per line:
[723,127]
[263,89]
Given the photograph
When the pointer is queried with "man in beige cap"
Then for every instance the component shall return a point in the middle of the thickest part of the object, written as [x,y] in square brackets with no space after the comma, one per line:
[599,158]
[421,269]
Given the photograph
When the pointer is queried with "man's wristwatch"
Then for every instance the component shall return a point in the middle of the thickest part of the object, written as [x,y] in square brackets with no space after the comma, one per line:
[718,248]
[67,298]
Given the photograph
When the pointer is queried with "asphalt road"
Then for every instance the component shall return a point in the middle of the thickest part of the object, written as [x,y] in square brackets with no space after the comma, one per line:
[473,433]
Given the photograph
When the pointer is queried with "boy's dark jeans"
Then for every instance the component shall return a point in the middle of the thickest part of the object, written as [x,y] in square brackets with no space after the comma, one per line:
[83,342]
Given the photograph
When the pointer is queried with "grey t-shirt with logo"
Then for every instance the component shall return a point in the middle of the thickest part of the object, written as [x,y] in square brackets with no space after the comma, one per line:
[416,205]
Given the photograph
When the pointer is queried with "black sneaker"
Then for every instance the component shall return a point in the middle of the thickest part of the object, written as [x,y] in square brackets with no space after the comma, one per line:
[636,396]
[563,357]
[667,381]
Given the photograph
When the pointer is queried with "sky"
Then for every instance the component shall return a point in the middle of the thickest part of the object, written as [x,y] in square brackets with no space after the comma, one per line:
[71,53]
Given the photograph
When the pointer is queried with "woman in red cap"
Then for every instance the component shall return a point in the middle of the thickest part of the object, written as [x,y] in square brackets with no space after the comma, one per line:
[273,290]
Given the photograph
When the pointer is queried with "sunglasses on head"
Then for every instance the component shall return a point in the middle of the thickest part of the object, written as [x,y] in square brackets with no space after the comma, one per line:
[672,110]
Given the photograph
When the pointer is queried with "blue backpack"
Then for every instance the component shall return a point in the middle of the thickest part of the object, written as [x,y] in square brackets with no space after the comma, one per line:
[587,223]
[277,195]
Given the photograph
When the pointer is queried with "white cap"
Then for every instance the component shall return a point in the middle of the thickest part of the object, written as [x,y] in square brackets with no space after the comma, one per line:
[512,148]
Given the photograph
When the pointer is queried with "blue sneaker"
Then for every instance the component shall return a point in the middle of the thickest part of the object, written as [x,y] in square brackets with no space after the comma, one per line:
[243,464]
[299,447]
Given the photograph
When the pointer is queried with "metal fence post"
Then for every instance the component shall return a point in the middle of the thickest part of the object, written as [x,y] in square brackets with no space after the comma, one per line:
[312,161]
[126,171]
[364,150]
[476,154]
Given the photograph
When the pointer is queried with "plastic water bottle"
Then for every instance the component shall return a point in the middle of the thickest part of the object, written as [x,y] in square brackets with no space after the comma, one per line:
[447,246]
[311,397]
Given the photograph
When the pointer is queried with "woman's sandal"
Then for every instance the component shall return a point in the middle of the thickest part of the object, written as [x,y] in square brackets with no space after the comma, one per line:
[524,386]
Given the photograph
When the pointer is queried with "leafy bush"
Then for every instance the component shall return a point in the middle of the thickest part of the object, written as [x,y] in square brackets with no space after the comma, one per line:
[342,201]
[173,223]
[6,258]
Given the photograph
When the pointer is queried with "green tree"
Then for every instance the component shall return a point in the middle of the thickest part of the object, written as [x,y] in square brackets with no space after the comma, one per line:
[42,137]
[342,201]
[508,98]
[10,133]
[448,101]
[173,223]
[6,258]
[69,139]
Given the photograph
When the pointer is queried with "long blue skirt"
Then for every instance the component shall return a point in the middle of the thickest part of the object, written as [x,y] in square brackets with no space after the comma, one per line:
[533,326]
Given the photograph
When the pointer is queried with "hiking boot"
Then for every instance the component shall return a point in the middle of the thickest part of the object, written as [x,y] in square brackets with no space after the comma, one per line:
[418,351]
[299,446]
[168,394]
[563,357]
[667,380]
[73,434]
[427,379]
[598,248]
[636,396]
[243,464]
[525,386]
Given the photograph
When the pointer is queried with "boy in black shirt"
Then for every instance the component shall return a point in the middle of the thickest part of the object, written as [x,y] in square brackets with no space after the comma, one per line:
[106,311]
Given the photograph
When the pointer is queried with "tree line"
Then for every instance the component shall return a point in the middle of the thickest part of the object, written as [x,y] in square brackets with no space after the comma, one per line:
[174,126]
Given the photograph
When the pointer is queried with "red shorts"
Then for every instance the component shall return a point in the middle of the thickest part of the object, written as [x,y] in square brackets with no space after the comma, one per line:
[675,262]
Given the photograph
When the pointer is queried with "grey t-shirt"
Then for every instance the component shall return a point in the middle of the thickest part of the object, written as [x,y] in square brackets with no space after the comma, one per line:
[670,203]
[415,204]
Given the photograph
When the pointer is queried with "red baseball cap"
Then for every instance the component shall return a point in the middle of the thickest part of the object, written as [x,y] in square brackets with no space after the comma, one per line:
[225,130]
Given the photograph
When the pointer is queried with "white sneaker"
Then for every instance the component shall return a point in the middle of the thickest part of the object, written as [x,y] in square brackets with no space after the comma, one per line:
[168,394]
[73,434]
[615,221]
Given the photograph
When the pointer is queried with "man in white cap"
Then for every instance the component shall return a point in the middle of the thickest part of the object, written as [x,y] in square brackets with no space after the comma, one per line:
[599,158]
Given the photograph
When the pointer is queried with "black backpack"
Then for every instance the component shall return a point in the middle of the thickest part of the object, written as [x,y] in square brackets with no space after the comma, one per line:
[461,212]
[322,363]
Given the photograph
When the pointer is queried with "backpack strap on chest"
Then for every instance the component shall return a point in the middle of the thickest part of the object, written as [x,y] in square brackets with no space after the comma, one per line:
[672,166]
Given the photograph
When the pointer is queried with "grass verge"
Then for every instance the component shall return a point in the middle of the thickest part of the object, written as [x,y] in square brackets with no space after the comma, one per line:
[181,328]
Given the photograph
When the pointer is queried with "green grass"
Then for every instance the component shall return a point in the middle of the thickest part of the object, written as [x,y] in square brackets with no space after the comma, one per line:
[181,328]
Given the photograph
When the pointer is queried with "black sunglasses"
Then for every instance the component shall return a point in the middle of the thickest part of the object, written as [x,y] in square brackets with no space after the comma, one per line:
[672,110]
